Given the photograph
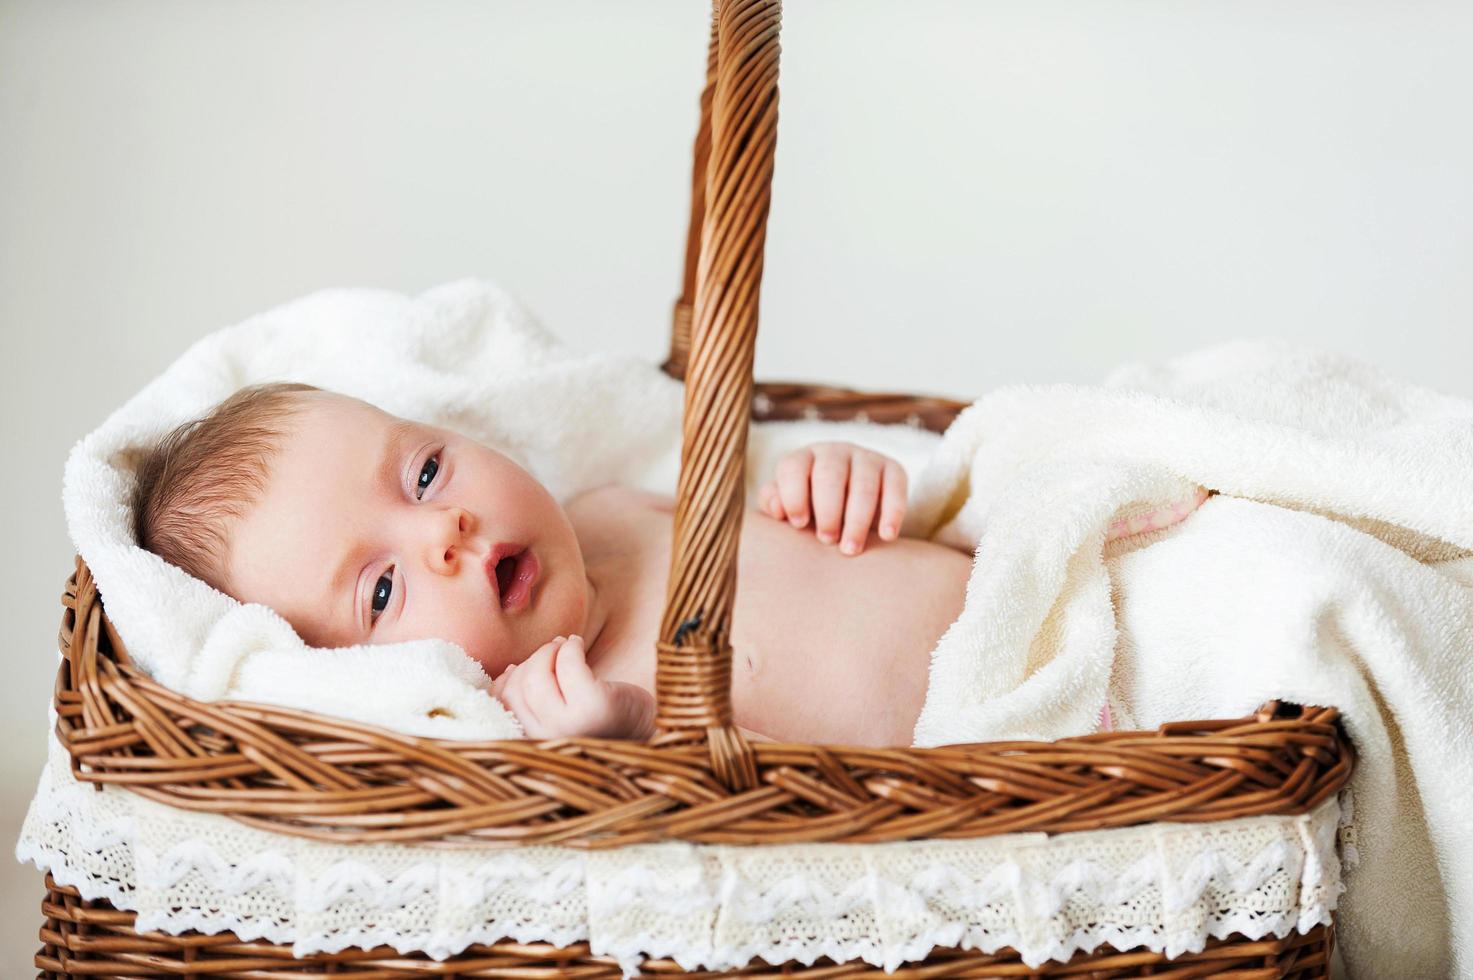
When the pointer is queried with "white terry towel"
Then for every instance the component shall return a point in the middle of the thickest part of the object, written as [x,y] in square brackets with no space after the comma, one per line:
[1332,569]
[465,356]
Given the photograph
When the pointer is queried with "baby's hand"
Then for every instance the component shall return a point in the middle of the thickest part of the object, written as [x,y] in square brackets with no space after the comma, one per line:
[849,489]
[553,693]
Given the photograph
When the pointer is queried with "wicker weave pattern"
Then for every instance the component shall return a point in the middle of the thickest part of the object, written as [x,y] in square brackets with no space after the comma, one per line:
[786,401]
[680,317]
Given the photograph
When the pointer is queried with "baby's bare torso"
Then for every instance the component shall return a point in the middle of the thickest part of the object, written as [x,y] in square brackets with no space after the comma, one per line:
[827,648]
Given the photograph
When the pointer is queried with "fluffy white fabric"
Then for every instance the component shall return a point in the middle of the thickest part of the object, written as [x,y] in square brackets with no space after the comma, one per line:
[465,356]
[1332,569]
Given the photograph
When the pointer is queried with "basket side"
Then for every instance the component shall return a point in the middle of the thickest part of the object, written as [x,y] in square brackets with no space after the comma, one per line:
[87,938]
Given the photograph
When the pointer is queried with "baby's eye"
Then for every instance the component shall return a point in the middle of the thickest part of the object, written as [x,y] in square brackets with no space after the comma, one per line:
[382,590]
[426,476]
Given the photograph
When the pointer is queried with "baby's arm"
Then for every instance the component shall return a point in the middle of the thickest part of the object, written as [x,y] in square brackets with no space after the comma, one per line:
[846,488]
[554,694]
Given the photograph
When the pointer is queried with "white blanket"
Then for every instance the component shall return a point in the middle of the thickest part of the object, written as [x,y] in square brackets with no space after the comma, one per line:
[1332,569]
[465,356]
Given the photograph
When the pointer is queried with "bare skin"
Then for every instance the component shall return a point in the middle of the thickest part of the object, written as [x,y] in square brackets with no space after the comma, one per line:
[827,648]
[830,646]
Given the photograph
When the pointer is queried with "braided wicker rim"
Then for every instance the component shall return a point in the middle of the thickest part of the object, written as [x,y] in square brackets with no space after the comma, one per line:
[88,938]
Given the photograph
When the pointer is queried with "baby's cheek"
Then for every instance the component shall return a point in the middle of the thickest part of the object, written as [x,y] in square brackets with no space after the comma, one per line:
[568,611]
[481,640]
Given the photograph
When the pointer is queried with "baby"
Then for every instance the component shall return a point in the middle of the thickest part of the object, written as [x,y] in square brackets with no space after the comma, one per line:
[360,527]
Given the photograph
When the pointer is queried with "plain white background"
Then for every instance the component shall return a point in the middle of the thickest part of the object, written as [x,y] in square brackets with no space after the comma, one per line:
[967,195]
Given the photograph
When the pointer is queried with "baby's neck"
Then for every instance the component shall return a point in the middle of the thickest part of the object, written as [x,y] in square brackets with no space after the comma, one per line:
[613,540]
[597,618]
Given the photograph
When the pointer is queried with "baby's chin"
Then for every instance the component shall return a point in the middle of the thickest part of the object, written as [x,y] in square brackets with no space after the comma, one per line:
[559,607]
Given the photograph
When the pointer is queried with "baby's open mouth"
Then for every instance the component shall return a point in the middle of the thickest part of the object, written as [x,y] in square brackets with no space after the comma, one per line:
[514,575]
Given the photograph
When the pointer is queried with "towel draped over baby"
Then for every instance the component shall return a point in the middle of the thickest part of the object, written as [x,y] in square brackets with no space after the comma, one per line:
[1332,567]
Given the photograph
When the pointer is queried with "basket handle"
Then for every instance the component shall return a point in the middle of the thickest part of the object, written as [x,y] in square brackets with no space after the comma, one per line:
[693,665]
[680,315]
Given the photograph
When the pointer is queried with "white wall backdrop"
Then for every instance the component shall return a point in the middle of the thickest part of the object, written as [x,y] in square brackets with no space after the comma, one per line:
[967,194]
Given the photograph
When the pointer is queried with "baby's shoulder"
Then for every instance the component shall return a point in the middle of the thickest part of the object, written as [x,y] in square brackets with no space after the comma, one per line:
[617,521]
[617,498]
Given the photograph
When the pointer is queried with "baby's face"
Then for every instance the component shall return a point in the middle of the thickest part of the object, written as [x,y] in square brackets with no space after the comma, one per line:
[373,529]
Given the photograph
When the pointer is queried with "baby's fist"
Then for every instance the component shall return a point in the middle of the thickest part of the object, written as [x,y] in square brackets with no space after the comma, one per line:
[554,694]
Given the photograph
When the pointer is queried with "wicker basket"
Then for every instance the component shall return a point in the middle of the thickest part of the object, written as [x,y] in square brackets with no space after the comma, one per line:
[697,779]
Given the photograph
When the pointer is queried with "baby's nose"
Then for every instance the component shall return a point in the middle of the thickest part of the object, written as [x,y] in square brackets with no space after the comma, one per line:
[441,559]
[442,551]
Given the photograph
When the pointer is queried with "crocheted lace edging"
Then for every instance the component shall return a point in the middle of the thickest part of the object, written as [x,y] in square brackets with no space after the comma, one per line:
[1166,887]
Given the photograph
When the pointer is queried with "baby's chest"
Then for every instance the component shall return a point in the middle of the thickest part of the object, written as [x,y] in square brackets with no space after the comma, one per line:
[825,647]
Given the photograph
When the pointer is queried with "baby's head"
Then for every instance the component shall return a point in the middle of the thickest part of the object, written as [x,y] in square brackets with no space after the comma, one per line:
[360,527]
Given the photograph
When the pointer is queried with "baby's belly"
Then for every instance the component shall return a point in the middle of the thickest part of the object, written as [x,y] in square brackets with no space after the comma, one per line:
[836,649]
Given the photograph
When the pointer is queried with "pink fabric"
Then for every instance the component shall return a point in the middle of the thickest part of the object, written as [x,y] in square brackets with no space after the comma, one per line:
[1157,518]
[1149,520]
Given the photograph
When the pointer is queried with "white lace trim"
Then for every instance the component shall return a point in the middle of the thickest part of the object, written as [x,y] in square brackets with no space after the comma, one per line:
[1168,887]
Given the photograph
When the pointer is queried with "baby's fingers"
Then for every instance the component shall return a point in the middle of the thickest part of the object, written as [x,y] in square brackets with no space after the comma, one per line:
[537,678]
[792,485]
[892,501]
[863,499]
[513,696]
[830,478]
[574,677]
[498,683]
[771,501]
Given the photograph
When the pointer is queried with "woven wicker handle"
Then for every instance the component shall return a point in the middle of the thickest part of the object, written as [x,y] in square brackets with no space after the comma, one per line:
[693,673]
[679,356]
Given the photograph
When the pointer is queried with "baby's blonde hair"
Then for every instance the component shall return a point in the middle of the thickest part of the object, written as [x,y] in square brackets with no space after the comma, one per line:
[206,473]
